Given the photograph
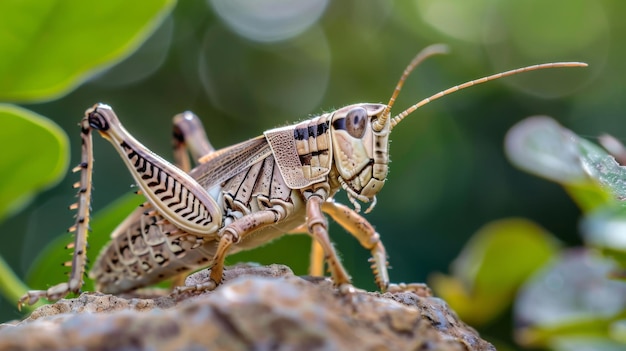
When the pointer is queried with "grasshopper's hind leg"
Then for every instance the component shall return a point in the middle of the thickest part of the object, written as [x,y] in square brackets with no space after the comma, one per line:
[80,229]
[189,137]
[144,250]
[166,187]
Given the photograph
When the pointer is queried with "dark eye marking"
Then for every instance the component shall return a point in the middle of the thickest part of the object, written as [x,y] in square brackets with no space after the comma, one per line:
[340,123]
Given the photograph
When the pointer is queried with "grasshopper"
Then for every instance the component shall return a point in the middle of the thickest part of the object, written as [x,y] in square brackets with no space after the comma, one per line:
[242,196]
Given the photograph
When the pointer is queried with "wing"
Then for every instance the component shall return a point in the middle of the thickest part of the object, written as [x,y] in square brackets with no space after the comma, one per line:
[223,164]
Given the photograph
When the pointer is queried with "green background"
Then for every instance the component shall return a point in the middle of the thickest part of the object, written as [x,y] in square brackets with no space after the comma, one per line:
[448,175]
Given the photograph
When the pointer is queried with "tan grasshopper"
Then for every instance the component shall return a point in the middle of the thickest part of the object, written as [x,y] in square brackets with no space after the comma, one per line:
[242,196]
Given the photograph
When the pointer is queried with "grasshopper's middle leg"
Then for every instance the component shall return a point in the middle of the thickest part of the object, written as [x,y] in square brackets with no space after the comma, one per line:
[316,257]
[233,233]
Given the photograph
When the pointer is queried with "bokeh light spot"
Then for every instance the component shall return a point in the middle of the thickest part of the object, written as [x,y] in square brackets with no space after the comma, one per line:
[269,20]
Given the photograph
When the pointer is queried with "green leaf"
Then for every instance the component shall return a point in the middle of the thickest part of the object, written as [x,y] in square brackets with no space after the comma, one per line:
[585,343]
[51,46]
[47,270]
[590,175]
[539,145]
[589,195]
[569,301]
[35,156]
[493,264]
[11,287]
[602,167]
[605,229]
[617,330]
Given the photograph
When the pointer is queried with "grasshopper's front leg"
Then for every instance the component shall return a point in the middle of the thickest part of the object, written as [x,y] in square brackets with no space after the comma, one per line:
[361,229]
[171,192]
[367,236]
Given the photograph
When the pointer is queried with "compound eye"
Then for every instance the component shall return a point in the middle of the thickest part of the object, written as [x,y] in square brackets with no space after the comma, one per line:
[356,121]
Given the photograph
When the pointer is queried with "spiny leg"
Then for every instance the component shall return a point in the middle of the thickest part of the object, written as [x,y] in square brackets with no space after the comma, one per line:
[365,233]
[80,228]
[189,138]
[170,191]
[232,234]
[318,229]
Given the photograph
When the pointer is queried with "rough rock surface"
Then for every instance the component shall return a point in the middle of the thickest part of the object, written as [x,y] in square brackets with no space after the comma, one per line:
[257,308]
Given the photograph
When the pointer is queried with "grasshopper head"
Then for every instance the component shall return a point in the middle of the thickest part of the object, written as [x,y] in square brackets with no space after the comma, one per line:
[361,131]
[360,152]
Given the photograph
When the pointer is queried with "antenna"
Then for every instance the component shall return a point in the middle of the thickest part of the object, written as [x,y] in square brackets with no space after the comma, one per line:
[436,49]
[395,120]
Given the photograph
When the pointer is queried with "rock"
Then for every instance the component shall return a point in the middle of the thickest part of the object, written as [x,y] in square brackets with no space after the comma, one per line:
[257,307]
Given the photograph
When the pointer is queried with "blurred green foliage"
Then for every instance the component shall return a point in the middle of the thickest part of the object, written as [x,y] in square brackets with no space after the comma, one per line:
[48,45]
[562,298]
[35,149]
[26,170]
[245,69]
[29,166]
[497,260]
